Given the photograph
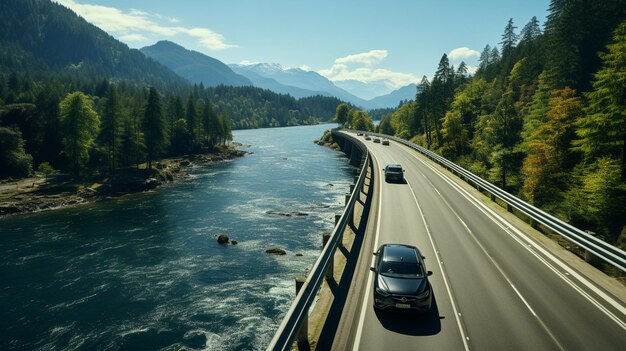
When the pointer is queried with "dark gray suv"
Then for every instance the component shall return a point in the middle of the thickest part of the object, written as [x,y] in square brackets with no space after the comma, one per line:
[394,172]
[401,279]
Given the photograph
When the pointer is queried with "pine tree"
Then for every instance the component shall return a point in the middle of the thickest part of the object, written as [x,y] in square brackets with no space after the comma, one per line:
[110,131]
[485,58]
[192,118]
[153,127]
[531,31]
[509,38]
[603,132]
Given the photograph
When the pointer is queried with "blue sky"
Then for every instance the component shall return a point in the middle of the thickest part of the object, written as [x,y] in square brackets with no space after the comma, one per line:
[394,40]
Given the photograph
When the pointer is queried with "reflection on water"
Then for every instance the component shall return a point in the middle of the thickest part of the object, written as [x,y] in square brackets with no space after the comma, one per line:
[145,271]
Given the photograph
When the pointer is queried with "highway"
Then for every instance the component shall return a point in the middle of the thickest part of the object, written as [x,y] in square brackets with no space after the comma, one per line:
[494,288]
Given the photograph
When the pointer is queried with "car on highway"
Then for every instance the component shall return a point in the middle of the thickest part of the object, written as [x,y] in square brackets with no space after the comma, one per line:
[385,141]
[359,134]
[401,279]
[367,137]
[394,172]
[377,140]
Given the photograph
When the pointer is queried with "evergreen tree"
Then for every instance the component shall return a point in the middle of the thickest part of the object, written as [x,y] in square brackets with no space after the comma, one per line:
[80,125]
[192,118]
[110,132]
[603,131]
[485,58]
[531,31]
[153,127]
[509,38]
[209,123]
[175,112]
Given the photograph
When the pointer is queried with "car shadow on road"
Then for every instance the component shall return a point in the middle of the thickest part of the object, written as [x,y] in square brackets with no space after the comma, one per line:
[412,323]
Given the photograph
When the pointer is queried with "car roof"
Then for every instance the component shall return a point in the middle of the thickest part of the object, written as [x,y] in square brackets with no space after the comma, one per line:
[394,165]
[400,253]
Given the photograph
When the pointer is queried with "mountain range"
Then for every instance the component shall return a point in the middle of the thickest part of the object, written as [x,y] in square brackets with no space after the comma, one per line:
[199,68]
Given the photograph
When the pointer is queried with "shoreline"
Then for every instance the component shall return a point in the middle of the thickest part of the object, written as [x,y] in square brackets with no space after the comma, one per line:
[35,194]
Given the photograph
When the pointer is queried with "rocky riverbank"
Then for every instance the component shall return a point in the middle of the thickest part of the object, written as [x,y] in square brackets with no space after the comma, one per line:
[38,194]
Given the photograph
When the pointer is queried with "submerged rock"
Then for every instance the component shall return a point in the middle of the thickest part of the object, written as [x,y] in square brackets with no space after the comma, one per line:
[276,251]
[287,214]
[234,242]
[298,254]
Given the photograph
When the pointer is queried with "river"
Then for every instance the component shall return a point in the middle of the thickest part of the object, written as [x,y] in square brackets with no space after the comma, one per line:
[145,271]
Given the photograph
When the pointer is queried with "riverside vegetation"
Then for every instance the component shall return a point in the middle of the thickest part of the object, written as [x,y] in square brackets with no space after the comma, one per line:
[544,116]
[76,103]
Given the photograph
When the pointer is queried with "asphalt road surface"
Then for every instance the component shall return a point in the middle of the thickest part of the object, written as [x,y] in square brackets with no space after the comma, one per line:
[494,288]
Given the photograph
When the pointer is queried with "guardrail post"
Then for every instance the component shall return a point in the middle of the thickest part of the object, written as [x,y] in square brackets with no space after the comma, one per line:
[351,213]
[331,263]
[509,207]
[337,218]
[351,188]
[303,334]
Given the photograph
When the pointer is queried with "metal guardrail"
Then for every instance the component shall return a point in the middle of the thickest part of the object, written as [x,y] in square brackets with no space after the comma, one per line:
[288,330]
[603,250]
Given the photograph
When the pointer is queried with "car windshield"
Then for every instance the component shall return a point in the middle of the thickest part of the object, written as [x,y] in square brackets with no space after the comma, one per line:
[401,269]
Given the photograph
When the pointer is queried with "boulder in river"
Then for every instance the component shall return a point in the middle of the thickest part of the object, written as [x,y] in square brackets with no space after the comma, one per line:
[234,242]
[276,251]
[222,239]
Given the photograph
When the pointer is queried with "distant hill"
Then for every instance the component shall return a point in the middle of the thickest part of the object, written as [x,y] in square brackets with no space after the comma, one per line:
[365,90]
[39,35]
[298,78]
[194,66]
[273,85]
[393,99]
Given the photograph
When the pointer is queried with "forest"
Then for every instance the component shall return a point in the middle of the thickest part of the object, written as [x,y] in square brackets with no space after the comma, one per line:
[544,116]
[75,100]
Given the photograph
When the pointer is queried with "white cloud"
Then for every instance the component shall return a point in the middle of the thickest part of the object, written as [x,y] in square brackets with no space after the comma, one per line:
[472,69]
[369,58]
[340,71]
[461,53]
[345,68]
[133,37]
[136,23]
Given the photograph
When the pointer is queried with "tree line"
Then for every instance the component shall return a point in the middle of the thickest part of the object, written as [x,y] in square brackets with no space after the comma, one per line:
[543,117]
[101,130]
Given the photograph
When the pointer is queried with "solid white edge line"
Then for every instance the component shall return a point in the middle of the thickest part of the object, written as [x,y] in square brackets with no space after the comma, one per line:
[497,266]
[370,277]
[443,274]
[505,225]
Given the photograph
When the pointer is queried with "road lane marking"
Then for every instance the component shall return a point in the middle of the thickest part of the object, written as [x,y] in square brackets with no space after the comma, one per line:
[519,236]
[368,288]
[457,314]
[501,271]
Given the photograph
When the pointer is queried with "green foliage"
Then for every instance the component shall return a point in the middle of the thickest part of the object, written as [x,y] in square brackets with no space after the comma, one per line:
[80,124]
[153,127]
[111,128]
[361,121]
[598,195]
[385,126]
[402,120]
[341,114]
[603,131]
[46,169]
[14,162]
[549,157]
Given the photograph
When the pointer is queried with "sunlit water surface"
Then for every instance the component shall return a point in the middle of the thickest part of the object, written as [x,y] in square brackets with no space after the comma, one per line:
[145,271]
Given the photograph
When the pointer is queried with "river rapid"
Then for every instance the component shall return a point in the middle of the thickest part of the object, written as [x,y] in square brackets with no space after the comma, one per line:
[145,272]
